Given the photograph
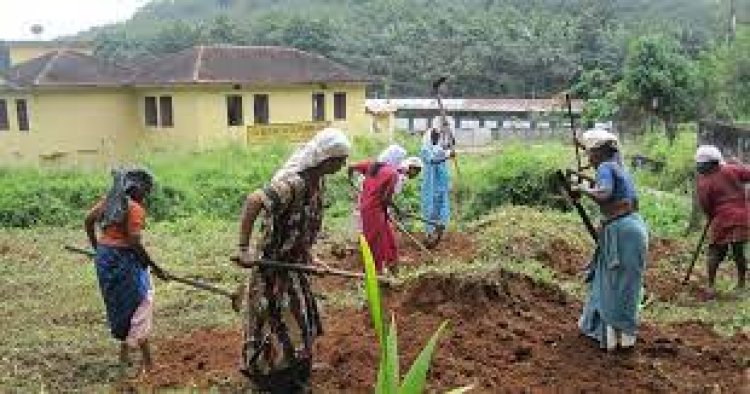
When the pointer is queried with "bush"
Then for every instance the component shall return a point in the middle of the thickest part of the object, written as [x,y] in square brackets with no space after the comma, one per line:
[520,175]
[214,184]
[678,175]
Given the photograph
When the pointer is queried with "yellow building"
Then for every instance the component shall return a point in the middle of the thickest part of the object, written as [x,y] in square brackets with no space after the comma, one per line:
[71,109]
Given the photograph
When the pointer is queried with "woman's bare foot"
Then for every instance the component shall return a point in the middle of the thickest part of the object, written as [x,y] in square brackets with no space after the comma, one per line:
[124,361]
[146,353]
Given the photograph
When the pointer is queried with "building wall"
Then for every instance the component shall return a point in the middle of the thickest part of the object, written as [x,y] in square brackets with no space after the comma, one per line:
[69,128]
[90,128]
[187,121]
[200,114]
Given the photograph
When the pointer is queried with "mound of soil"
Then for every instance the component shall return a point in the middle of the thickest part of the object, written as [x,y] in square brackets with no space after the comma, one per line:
[525,337]
[347,256]
[506,333]
[664,272]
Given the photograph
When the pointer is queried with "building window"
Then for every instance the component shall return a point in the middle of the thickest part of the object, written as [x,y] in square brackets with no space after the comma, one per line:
[260,109]
[234,110]
[151,114]
[4,123]
[339,106]
[319,107]
[165,111]
[22,112]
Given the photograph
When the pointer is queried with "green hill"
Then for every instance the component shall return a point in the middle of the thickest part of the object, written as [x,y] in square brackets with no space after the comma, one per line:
[491,47]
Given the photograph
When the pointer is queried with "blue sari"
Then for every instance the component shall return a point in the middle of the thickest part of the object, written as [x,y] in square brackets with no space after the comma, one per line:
[615,277]
[435,185]
[124,283]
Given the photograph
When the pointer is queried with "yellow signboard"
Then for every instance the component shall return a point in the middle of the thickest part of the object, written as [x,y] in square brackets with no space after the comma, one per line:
[292,132]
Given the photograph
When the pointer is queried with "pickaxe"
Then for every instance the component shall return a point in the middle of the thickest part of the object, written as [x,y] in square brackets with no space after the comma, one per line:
[308,269]
[235,297]
[432,241]
[696,253]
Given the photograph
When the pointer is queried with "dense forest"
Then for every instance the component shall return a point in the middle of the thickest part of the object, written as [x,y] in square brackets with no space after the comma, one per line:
[675,58]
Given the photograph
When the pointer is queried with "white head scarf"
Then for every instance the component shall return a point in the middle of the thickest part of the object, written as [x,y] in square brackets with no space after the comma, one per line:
[327,144]
[596,138]
[708,153]
[410,162]
[393,155]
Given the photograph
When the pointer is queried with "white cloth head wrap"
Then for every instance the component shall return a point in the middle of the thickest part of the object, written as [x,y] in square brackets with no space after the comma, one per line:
[412,161]
[596,138]
[708,153]
[393,155]
[327,144]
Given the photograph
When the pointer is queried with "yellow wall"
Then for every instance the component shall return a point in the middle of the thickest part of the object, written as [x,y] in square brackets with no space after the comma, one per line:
[94,127]
[73,128]
[200,114]
[21,53]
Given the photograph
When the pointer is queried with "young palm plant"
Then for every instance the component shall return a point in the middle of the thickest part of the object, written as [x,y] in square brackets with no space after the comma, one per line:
[389,377]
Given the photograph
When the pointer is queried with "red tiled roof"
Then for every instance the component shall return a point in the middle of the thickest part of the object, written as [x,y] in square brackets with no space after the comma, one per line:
[244,65]
[219,64]
[67,68]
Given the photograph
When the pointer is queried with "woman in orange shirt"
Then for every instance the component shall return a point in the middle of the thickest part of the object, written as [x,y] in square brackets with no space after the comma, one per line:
[122,262]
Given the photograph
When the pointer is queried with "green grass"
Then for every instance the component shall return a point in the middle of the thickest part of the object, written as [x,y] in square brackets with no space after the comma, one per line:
[52,314]
[53,319]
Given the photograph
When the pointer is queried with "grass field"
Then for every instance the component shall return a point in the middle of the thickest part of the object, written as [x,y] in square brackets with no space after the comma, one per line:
[54,330]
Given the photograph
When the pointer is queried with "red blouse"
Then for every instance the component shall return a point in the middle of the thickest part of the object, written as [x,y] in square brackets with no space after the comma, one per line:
[378,189]
[723,198]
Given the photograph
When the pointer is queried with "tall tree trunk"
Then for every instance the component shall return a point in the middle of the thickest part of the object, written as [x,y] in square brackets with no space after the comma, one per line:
[732,25]
[671,130]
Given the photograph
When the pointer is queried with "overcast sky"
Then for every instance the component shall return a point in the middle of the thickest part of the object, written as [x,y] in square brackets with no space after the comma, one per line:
[60,17]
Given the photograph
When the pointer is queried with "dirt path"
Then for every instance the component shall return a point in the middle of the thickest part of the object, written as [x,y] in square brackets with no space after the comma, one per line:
[505,332]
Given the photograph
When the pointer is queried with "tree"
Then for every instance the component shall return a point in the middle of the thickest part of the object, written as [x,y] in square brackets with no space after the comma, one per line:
[521,48]
[175,37]
[118,47]
[305,33]
[223,31]
[659,79]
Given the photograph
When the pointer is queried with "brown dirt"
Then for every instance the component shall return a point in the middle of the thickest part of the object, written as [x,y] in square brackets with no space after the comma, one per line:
[204,358]
[456,246]
[506,334]
[525,338]
[665,271]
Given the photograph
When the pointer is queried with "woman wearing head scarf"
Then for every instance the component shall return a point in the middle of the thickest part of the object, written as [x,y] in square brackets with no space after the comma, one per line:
[121,260]
[409,169]
[610,314]
[382,178]
[283,319]
[436,180]
[722,196]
